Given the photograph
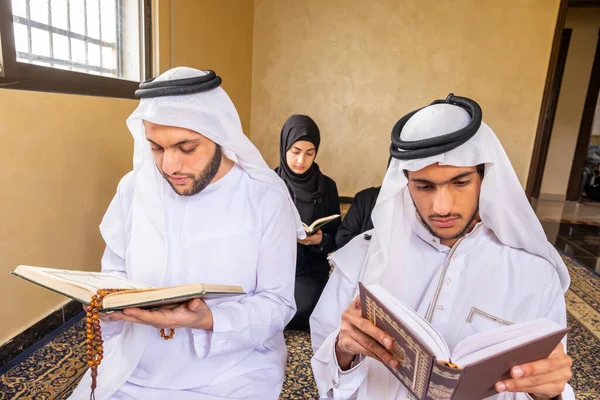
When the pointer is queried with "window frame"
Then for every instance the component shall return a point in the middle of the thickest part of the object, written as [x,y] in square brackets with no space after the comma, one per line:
[26,76]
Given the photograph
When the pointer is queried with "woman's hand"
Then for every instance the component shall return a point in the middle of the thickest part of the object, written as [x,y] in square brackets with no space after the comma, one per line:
[315,239]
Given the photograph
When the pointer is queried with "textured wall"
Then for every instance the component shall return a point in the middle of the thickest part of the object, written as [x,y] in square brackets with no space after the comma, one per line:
[569,110]
[216,34]
[356,69]
[60,162]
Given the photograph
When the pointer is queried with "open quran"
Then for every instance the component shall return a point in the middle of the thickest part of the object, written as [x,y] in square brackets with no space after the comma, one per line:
[430,371]
[82,285]
[318,224]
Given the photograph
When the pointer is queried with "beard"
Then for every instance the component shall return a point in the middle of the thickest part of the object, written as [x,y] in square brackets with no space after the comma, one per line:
[203,180]
[460,233]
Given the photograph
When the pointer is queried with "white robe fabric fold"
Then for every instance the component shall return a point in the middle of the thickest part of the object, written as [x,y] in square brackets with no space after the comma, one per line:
[248,239]
[479,278]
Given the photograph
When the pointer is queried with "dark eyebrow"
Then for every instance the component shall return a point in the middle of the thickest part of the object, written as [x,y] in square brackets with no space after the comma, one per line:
[151,141]
[299,149]
[457,177]
[186,141]
[176,144]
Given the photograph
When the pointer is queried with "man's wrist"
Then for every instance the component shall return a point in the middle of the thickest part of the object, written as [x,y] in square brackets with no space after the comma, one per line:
[206,322]
[344,359]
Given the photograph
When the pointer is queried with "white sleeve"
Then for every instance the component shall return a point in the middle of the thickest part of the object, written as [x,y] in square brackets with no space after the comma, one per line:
[332,382]
[113,264]
[251,321]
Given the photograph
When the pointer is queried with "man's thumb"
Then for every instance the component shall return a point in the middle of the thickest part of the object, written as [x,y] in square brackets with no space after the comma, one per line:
[194,305]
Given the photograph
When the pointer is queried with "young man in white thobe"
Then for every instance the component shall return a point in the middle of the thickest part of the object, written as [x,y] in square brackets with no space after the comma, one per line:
[200,206]
[456,240]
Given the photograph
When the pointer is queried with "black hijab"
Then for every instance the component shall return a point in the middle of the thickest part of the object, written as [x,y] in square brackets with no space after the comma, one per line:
[307,187]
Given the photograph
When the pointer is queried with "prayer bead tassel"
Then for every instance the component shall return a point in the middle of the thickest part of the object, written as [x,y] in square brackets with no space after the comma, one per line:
[94,349]
[95,345]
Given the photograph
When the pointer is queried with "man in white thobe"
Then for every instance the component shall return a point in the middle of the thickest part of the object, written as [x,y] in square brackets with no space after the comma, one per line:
[200,206]
[456,240]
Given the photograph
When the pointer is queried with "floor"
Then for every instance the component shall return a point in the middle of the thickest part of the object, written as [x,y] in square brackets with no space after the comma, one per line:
[580,213]
[573,228]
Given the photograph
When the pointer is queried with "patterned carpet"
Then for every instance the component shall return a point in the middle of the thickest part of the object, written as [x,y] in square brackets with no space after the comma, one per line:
[52,368]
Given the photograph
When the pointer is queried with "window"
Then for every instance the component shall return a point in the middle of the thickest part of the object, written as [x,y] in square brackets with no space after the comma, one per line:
[94,47]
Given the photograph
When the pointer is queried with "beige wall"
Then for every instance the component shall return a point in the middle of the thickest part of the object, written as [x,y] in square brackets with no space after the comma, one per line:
[216,34]
[578,68]
[357,69]
[61,159]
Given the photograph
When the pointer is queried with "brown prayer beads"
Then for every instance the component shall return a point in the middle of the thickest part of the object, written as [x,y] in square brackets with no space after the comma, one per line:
[169,336]
[95,349]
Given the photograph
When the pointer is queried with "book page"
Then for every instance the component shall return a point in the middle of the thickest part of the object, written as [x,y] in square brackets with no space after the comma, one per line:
[95,280]
[322,221]
[495,341]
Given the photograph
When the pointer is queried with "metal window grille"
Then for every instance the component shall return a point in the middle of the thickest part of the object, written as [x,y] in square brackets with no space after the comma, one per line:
[29,56]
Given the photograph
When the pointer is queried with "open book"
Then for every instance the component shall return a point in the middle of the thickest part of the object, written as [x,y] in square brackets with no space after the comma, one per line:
[82,285]
[429,370]
[318,224]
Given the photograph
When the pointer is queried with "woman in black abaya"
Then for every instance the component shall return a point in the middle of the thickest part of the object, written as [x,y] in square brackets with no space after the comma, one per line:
[315,196]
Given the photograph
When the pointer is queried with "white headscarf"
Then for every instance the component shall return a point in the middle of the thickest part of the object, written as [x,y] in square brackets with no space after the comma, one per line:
[210,113]
[503,206]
